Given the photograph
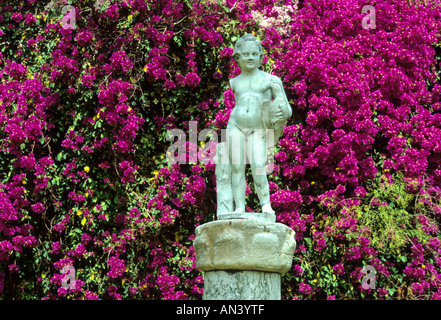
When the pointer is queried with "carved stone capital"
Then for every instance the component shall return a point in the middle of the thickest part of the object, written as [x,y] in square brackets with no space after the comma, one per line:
[244,244]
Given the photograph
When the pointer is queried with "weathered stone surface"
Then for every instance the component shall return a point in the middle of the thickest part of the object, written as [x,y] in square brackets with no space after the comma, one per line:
[223,180]
[244,244]
[242,285]
[264,216]
[261,106]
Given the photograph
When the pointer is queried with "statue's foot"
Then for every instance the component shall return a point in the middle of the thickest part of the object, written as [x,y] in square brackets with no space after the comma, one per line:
[239,210]
[267,208]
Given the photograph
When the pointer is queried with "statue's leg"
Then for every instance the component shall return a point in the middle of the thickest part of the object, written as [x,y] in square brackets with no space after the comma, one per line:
[223,180]
[236,141]
[257,154]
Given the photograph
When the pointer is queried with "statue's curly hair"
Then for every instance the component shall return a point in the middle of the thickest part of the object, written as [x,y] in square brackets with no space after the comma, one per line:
[245,38]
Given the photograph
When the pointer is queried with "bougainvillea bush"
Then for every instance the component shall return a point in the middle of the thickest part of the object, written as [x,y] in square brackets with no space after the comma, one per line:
[86,104]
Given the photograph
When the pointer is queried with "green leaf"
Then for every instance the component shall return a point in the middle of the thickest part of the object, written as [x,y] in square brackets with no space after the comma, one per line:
[391,291]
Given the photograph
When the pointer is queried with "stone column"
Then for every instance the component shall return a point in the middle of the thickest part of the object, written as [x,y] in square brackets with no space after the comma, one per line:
[243,256]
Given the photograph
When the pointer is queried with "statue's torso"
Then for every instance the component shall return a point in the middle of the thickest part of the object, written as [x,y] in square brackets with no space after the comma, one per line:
[250,92]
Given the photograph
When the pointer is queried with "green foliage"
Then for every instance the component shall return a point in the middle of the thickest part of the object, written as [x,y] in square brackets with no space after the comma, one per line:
[391,214]
[383,228]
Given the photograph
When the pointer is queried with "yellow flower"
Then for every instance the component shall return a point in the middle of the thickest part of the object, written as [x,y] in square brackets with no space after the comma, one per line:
[87,169]
[79,213]
[155,174]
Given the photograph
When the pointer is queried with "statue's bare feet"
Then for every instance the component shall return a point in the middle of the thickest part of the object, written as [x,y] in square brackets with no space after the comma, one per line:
[267,208]
[239,210]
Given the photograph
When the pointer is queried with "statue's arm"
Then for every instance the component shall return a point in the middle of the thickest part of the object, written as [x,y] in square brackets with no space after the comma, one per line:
[288,108]
[231,81]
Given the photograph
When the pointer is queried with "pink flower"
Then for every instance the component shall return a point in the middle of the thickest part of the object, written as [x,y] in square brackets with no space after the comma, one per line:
[117,267]
[17,17]
[339,269]
[169,85]
[305,288]
[38,207]
[192,79]
[360,192]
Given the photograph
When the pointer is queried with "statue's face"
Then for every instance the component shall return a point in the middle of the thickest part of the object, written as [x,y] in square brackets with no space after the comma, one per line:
[249,56]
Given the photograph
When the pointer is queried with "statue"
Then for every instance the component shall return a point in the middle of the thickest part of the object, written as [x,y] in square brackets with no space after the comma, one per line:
[259,115]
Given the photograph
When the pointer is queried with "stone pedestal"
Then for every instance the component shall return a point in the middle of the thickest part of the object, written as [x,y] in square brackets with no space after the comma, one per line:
[241,285]
[243,258]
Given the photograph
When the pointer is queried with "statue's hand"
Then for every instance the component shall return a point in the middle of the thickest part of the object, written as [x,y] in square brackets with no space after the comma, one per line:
[278,116]
[279,113]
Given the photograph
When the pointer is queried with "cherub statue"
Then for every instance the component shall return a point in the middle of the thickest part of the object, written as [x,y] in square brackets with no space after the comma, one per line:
[261,104]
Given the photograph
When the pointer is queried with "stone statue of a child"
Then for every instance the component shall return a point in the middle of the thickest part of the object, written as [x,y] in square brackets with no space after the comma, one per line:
[261,104]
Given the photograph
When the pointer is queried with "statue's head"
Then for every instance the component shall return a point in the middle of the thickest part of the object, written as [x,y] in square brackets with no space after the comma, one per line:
[247,39]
